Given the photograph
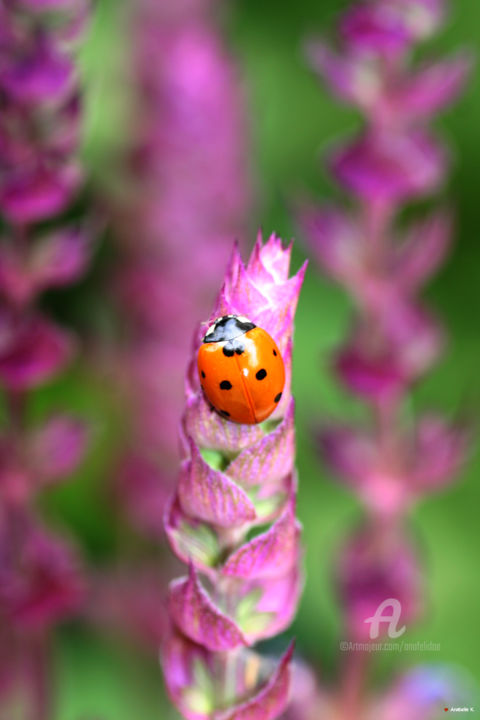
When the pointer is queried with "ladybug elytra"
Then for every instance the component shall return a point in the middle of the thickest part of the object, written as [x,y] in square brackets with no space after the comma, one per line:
[241,370]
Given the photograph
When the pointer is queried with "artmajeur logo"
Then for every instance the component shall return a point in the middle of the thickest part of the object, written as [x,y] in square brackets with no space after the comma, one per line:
[392,619]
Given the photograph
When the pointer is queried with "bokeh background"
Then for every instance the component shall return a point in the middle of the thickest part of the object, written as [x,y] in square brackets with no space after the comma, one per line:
[292,120]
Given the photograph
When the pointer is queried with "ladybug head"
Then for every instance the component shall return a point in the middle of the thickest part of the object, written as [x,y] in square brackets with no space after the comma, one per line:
[228,327]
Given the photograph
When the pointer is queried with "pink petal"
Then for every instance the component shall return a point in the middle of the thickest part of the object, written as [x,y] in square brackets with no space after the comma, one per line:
[391,167]
[349,76]
[15,280]
[374,27]
[374,376]
[350,453]
[431,88]
[210,495]
[423,251]
[389,27]
[272,699]
[188,673]
[270,458]
[268,606]
[42,75]
[334,238]
[191,539]
[380,364]
[33,353]
[269,554]
[36,194]
[57,448]
[440,451]
[208,429]
[198,618]
[61,258]
[269,262]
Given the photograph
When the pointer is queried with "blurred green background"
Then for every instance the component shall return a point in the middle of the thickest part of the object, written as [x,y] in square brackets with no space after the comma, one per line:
[293,119]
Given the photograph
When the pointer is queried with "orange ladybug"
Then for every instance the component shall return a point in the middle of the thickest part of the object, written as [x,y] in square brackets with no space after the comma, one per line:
[241,370]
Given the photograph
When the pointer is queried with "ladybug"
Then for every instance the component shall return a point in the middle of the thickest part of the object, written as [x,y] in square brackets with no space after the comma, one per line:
[241,370]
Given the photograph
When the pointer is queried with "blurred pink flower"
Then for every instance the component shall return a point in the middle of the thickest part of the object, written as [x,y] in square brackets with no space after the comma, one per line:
[174,227]
[389,478]
[375,565]
[394,340]
[41,579]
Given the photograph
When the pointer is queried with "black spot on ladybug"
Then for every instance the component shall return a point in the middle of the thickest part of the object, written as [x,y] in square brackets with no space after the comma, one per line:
[203,374]
[240,349]
[261,374]
[277,397]
[228,351]
[225,385]
[275,353]
[224,413]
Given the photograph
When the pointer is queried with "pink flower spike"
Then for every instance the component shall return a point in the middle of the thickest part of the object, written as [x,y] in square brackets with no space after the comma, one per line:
[210,495]
[233,479]
[198,618]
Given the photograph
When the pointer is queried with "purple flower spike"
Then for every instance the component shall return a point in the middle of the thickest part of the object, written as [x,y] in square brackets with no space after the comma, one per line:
[383,263]
[40,123]
[233,478]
